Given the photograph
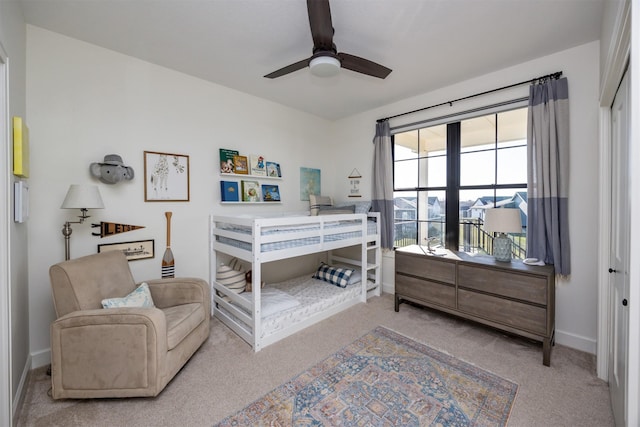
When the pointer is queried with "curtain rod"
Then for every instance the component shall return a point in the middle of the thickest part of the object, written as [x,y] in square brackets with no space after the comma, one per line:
[555,75]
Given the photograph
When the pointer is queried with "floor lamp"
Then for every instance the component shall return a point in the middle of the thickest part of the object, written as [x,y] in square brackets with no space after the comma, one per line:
[502,221]
[83,197]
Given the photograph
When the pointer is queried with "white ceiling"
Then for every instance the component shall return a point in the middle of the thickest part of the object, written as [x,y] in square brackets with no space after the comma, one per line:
[427,43]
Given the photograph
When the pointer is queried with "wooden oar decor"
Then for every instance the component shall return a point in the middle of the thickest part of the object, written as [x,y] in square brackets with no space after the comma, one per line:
[111,228]
[168,264]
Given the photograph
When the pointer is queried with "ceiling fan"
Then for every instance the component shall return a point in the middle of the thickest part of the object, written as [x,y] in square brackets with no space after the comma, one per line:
[326,60]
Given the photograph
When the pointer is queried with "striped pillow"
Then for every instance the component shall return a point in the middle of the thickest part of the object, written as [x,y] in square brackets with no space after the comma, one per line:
[235,264]
[318,202]
[334,275]
[230,278]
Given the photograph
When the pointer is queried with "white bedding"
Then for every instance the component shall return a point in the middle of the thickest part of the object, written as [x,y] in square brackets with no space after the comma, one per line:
[312,296]
[273,301]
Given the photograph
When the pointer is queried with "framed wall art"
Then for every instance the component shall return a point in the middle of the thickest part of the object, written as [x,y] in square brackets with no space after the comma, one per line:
[354,183]
[166,177]
[309,182]
[140,249]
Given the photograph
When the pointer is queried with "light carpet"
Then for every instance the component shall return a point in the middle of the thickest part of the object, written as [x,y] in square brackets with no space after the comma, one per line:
[385,379]
[225,375]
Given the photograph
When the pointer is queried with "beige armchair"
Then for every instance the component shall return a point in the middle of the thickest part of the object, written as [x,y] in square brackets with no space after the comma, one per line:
[121,352]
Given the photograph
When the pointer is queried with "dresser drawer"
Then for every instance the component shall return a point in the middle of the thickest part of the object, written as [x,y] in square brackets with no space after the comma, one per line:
[505,283]
[425,290]
[512,313]
[424,266]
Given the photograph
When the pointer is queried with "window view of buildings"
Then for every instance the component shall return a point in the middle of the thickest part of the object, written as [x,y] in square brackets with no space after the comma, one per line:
[478,163]
[472,237]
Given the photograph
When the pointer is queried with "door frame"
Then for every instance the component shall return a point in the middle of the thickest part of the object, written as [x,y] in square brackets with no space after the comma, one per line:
[6,406]
[621,51]
[615,66]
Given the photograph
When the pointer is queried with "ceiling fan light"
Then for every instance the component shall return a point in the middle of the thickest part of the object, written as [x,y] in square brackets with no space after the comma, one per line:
[324,66]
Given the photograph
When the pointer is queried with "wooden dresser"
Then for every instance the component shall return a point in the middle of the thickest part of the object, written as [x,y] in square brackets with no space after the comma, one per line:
[513,297]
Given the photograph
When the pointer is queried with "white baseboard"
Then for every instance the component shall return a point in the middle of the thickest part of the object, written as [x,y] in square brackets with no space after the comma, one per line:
[588,345]
[40,358]
[21,390]
[388,288]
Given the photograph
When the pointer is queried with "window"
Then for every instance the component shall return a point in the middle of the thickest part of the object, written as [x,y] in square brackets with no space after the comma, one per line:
[447,175]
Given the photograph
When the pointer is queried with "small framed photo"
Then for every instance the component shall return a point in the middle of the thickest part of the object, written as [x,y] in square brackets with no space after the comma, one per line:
[270,193]
[140,249]
[166,177]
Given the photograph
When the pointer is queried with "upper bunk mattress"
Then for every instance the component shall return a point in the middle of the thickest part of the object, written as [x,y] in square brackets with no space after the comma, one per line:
[287,243]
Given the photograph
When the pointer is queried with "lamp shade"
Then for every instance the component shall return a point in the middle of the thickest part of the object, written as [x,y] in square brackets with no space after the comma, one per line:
[502,220]
[82,197]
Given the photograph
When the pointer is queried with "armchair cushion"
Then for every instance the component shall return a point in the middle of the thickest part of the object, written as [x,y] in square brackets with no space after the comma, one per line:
[181,320]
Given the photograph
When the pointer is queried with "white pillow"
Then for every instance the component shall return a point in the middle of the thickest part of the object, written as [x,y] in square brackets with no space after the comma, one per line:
[140,297]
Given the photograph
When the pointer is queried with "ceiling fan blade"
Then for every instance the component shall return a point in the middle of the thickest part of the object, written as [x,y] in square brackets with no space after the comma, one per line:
[320,23]
[364,66]
[289,69]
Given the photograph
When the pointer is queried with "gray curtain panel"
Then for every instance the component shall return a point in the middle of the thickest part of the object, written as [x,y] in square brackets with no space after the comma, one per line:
[382,200]
[548,174]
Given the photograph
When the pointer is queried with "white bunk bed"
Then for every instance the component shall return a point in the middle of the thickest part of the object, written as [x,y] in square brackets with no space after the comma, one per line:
[257,240]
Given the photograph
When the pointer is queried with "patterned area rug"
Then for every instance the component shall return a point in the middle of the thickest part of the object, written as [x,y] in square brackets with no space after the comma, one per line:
[385,379]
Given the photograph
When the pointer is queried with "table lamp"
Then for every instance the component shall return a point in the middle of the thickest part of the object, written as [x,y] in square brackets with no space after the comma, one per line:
[83,197]
[502,221]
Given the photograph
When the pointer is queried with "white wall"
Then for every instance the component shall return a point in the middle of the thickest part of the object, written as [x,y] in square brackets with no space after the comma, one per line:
[576,315]
[85,102]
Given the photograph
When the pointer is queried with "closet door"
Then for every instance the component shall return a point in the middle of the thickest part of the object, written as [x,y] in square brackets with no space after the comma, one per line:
[619,252]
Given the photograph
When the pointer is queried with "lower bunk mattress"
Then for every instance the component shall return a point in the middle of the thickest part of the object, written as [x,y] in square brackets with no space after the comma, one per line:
[293,301]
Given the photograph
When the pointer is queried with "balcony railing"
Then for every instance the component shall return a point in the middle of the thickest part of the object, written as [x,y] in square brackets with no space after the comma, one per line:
[473,238]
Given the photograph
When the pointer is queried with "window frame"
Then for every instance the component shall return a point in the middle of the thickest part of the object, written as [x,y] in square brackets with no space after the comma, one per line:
[453,160]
